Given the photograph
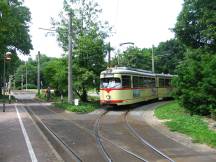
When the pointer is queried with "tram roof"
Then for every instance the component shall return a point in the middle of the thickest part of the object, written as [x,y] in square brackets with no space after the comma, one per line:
[128,70]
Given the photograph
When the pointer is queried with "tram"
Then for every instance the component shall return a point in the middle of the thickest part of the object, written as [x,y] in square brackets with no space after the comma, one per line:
[124,85]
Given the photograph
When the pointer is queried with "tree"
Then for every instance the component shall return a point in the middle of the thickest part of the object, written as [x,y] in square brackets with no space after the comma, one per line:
[31,74]
[168,55]
[88,39]
[89,63]
[196,82]
[134,57]
[14,28]
[55,75]
[196,25]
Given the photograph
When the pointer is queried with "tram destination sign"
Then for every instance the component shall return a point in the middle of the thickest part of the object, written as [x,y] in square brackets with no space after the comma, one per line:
[108,75]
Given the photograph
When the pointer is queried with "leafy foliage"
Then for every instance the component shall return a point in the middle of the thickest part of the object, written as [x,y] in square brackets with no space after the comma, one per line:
[168,55]
[55,74]
[14,28]
[82,107]
[195,84]
[88,39]
[134,57]
[196,81]
[196,24]
[31,74]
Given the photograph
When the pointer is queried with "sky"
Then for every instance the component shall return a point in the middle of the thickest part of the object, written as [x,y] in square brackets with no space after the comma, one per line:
[143,22]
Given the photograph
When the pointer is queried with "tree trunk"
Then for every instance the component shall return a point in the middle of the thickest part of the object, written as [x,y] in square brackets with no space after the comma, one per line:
[84,96]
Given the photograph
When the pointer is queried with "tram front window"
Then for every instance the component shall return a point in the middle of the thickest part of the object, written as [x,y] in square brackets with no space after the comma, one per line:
[110,83]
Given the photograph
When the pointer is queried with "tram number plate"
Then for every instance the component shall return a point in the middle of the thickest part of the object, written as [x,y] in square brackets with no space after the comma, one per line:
[136,93]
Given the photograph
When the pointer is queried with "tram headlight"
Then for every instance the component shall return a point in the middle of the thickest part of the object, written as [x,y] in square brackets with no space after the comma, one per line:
[108,97]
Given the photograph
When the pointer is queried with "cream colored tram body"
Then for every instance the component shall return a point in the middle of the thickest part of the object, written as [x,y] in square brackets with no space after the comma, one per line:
[123,85]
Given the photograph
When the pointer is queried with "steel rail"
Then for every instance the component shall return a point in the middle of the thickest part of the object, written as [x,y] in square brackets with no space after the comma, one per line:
[98,139]
[145,142]
[101,137]
[104,138]
[35,117]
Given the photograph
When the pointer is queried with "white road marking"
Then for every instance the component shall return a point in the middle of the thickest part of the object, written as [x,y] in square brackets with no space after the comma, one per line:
[28,143]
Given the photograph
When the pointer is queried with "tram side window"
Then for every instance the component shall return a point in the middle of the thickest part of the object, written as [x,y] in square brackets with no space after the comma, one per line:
[167,83]
[126,81]
[149,82]
[141,82]
[161,83]
[153,82]
[135,82]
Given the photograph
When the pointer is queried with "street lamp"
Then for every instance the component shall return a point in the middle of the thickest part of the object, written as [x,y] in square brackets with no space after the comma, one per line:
[7,57]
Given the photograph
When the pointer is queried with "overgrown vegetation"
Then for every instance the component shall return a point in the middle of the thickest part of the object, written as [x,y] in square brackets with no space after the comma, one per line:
[183,122]
[82,107]
[196,81]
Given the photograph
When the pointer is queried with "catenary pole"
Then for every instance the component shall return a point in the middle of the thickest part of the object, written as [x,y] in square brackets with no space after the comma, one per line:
[38,72]
[26,76]
[153,67]
[4,87]
[22,82]
[70,77]
[109,57]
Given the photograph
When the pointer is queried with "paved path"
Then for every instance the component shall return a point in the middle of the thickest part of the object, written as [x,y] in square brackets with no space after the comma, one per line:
[21,140]
[91,137]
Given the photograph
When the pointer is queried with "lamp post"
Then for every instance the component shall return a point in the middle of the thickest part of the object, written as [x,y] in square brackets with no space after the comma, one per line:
[7,57]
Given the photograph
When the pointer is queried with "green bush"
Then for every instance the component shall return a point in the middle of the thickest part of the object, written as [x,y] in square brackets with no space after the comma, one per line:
[82,107]
[29,86]
[196,82]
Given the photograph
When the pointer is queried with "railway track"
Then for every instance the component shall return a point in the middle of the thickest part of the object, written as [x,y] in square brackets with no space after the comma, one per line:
[98,138]
[101,145]
[65,151]
[101,141]
[143,141]
[94,133]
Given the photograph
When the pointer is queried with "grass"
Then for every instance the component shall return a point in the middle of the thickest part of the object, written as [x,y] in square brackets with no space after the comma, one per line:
[180,121]
[81,108]
[53,98]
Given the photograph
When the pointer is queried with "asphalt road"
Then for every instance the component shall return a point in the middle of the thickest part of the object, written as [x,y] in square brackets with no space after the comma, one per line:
[103,135]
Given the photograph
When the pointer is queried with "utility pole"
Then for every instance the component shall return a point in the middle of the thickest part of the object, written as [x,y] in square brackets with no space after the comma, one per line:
[26,76]
[70,77]
[14,82]
[153,67]
[38,72]
[4,86]
[22,82]
[109,57]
